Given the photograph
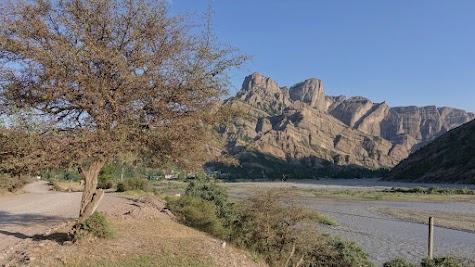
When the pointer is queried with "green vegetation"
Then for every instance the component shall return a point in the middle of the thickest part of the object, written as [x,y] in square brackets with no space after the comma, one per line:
[431,190]
[267,225]
[206,207]
[436,262]
[135,184]
[96,225]
[12,184]
[198,213]
[391,195]
[399,262]
[54,185]
[209,190]
[448,159]
[257,165]
[442,262]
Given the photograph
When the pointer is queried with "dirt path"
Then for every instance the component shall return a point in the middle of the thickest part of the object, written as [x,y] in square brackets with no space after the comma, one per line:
[33,213]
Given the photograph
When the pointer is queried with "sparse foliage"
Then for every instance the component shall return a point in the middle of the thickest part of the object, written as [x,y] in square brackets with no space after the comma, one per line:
[103,79]
[96,225]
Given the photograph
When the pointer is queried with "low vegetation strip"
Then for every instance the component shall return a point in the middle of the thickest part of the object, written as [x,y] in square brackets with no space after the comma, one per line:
[451,220]
[268,224]
[431,191]
[391,195]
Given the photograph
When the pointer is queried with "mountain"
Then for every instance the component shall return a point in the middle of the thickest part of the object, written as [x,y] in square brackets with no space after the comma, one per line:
[448,159]
[300,126]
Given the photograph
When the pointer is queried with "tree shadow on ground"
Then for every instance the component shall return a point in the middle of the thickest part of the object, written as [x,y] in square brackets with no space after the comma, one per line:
[9,220]
[60,238]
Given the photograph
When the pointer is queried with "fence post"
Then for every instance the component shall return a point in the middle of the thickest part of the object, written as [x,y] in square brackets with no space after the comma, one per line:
[431,238]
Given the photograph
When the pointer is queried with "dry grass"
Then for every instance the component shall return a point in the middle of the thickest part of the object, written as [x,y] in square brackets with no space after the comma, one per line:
[69,186]
[379,195]
[445,219]
[243,189]
[167,188]
[142,242]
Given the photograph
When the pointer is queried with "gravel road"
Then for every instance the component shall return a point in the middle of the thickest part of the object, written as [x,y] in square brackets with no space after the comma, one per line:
[382,237]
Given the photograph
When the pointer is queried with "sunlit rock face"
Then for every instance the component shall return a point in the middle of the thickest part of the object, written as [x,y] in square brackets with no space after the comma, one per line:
[300,122]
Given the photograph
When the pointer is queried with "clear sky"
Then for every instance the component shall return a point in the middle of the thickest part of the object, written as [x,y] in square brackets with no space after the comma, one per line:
[405,52]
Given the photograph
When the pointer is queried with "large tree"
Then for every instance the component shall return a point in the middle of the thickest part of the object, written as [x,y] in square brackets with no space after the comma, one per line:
[105,78]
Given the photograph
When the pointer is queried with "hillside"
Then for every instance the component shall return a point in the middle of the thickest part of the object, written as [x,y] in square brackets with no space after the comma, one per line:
[144,236]
[448,159]
[298,129]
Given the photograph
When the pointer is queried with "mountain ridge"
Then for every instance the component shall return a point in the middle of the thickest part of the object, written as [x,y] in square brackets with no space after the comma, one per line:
[300,122]
[449,158]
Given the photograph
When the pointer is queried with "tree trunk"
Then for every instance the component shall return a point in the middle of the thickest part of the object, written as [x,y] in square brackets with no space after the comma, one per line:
[90,196]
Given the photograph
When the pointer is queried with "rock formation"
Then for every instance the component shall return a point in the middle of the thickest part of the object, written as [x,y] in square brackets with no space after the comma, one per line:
[448,159]
[298,123]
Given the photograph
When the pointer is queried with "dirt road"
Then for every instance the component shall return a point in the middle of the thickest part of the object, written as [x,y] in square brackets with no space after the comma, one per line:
[33,213]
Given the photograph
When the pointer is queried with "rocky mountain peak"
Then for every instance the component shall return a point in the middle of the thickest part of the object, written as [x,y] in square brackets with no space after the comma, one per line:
[264,93]
[257,80]
[310,91]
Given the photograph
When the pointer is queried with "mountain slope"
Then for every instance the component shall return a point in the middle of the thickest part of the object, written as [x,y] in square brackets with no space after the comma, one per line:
[299,125]
[448,159]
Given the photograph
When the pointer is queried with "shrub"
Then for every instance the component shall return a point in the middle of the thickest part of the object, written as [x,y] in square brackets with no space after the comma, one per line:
[208,190]
[399,262]
[197,213]
[105,184]
[96,225]
[332,252]
[349,253]
[284,234]
[105,178]
[12,184]
[54,185]
[442,262]
[135,184]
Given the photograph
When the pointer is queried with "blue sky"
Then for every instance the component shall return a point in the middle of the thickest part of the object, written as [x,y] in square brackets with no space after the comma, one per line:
[405,52]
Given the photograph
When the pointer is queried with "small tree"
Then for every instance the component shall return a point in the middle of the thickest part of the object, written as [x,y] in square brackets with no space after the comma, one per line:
[106,78]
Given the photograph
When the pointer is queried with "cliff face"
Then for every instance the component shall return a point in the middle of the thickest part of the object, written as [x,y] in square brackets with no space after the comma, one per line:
[448,159]
[300,122]
[416,125]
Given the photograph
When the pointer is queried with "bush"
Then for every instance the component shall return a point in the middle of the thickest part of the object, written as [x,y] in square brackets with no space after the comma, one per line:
[350,254]
[96,225]
[135,184]
[399,262]
[12,184]
[286,235]
[208,190]
[105,178]
[199,214]
[333,252]
[442,262]
[105,184]
[54,185]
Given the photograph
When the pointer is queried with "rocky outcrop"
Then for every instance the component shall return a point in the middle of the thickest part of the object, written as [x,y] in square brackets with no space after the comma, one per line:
[263,93]
[418,125]
[448,159]
[309,92]
[298,123]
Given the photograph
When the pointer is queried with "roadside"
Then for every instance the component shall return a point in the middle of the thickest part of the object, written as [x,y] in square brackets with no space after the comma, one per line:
[33,229]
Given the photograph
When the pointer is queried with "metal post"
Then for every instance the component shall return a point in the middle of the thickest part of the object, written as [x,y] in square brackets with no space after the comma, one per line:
[431,237]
